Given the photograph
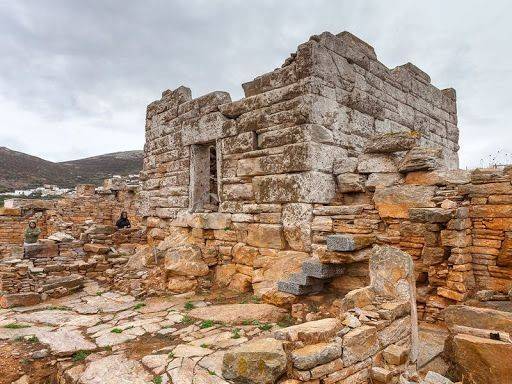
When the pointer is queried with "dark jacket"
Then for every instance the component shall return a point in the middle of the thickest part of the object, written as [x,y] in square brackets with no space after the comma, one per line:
[123,223]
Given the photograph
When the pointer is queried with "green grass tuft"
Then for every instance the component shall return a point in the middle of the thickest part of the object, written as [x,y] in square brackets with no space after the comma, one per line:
[116,330]
[206,324]
[80,355]
[16,326]
[236,333]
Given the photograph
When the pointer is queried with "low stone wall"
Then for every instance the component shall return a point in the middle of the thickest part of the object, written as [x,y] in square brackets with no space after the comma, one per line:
[69,214]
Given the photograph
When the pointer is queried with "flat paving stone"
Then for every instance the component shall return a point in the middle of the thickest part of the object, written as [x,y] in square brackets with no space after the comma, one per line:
[115,369]
[66,341]
[236,314]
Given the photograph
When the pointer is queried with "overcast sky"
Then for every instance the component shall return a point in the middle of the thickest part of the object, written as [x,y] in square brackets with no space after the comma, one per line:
[76,76]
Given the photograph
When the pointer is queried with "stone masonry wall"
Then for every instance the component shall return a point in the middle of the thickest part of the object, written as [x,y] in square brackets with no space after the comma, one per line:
[274,155]
[67,214]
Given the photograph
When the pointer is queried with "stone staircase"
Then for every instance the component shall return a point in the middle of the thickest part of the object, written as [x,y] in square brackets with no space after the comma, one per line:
[315,274]
[311,279]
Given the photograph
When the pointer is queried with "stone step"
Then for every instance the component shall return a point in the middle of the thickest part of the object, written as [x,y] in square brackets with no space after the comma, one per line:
[302,279]
[348,242]
[298,289]
[315,268]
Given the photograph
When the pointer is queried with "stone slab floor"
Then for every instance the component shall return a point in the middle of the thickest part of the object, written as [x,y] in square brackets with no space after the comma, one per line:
[105,337]
[95,337]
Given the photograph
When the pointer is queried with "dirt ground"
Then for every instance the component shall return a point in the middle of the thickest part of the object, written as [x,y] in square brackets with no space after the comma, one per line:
[17,360]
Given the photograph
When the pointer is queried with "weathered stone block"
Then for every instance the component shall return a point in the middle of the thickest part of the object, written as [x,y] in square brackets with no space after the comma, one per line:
[421,159]
[266,236]
[395,202]
[350,182]
[371,163]
[311,356]
[308,187]
[348,242]
[260,361]
[393,142]
[360,344]
[430,215]
[296,219]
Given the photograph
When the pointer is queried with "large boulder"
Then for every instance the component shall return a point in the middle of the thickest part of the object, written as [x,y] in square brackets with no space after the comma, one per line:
[260,361]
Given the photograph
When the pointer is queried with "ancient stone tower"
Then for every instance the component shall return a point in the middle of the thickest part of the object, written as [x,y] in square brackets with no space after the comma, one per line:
[248,182]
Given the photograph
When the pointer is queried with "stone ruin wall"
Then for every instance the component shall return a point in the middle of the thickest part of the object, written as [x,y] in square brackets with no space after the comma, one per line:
[67,214]
[82,227]
[278,153]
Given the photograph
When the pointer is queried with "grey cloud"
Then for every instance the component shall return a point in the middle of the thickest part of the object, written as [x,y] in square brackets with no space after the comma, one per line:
[83,71]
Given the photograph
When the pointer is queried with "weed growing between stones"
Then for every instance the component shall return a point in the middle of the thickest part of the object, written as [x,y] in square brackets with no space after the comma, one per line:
[80,355]
[16,326]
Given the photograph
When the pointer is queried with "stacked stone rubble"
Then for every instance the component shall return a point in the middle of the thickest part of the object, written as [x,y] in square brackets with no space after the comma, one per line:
[373,338]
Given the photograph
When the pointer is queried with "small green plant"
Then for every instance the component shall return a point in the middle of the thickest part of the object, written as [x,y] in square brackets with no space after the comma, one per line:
[171,355]
[204,345]
[206,324]
[25,361]
[255,299]
[116,330]
[265,327]
[80,355]
[187,320]
[236,333]
[99,293]
[139,306]
[247,322]
[227,228]
[32,339]
[188,305]
[57,308]
[212,373]
[108,348]
[286,322]
[157,380]
[16,326]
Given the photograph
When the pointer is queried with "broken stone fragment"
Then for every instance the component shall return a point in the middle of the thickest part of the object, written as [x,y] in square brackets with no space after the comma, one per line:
[421,159]
[393,142]
[396,354]
[436,378]
[260,361]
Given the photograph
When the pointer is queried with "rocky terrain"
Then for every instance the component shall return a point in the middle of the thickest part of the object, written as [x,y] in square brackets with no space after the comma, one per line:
[21,171]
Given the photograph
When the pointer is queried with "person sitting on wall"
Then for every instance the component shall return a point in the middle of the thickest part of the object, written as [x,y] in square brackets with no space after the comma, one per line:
[32,233]
[123,221]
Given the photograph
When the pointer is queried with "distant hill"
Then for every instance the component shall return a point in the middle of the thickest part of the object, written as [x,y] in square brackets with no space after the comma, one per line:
[21,171]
